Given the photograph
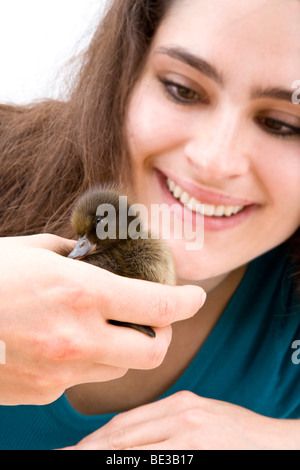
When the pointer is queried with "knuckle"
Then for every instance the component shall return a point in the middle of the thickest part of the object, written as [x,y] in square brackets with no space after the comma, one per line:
[157,354]
[57,343]
[189,415]
[63,348]
[75,298]
[117,439]
[184,399]
[165,309]
[117,431]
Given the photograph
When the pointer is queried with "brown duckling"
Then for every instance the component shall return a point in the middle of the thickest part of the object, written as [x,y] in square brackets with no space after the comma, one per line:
[111,239]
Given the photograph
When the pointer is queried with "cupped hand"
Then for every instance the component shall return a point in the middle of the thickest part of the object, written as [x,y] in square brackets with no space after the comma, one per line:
[54,320]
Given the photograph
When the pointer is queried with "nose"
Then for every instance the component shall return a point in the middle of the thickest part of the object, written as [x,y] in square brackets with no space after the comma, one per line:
[217,150]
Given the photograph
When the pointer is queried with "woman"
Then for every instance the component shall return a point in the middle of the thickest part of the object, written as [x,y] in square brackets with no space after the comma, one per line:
[174,97]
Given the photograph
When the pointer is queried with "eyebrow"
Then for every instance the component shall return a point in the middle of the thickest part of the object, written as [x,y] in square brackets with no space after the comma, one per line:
[274,93]
[185,56]
[180,53]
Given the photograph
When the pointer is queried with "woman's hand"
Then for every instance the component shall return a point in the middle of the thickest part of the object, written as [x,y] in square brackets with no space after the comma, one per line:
[185,421]
[53,320]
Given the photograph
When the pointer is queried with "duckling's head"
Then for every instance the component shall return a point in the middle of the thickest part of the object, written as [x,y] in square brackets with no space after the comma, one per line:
[98,211]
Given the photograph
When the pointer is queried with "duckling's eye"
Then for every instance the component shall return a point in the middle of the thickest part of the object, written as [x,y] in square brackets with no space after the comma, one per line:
[99,219]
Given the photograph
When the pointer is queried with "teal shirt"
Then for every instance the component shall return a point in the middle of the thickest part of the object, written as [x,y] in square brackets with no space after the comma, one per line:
[248,359]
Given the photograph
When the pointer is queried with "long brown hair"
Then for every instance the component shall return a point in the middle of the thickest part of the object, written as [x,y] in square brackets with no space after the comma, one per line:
[52,151]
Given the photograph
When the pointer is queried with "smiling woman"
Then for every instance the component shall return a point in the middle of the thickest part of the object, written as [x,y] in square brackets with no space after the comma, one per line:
[188,105]
[227,134]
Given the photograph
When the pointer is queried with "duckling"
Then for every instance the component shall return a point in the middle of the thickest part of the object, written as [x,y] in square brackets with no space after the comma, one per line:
[108,241]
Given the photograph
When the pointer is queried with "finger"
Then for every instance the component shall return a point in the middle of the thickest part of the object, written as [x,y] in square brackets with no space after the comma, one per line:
[135,428]
[167,444]
[43,240]
[128,348]
[115,437]
[143,302]
[156,446]
[93,339]
[164,407]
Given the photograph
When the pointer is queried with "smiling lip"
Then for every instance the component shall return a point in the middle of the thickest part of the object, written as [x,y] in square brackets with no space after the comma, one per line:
[211,223]
[208,197]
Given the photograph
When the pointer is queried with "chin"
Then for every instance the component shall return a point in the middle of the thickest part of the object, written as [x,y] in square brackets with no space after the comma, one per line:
[202,266]
[190,265]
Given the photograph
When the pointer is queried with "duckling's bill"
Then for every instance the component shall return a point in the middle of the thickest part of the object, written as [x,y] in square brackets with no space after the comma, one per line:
[83,248]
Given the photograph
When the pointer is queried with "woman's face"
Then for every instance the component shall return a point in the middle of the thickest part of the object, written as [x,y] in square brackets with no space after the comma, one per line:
[212,121]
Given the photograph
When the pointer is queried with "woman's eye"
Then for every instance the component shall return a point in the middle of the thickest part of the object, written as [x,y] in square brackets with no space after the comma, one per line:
[185,93]
[278,128]
[182,94]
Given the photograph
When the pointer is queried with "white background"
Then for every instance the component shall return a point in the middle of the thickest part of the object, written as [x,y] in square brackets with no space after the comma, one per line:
[37,37]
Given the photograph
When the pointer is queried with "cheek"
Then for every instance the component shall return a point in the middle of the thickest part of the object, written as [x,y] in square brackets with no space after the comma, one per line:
[151,126]
[280,175]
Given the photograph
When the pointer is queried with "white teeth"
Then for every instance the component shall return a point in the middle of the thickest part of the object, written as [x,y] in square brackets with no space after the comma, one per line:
[219,211]
[171,185]
[197,206]
[228,210]
[177,191]
[185,198]
[209,209]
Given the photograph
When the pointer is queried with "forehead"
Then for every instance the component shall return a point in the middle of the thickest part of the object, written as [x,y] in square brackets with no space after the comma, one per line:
[252,35]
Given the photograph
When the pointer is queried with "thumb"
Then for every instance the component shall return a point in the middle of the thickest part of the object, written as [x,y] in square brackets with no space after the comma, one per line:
[47,241]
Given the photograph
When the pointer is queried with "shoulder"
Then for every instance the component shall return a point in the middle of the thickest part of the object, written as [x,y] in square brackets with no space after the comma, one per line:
[276,272]
[268,288]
